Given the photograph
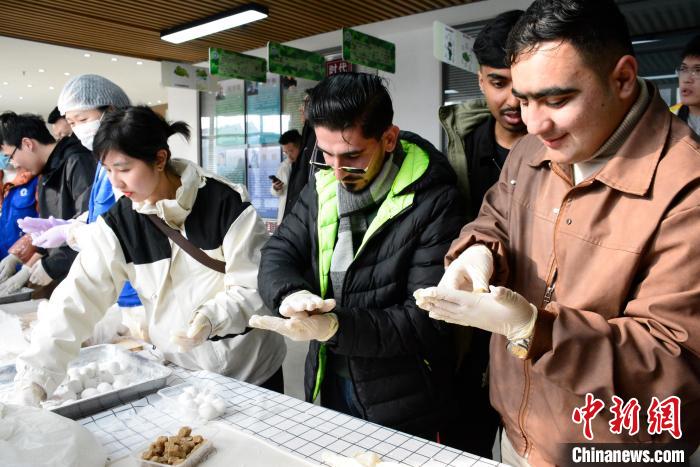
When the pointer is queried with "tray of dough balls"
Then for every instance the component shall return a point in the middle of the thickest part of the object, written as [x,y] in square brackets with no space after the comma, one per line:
[102,377]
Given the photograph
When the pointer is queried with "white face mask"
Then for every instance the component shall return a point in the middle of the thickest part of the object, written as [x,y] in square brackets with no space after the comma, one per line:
[86,132]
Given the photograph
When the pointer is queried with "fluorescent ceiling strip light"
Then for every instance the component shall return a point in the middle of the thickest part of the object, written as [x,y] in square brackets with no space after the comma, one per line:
[217,23]
[645,41]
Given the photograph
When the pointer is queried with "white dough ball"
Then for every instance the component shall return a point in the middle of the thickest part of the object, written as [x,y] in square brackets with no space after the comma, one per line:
[74,385]
[90,383]
[68,401]
[104,387]
[73,373]
[191,390]
[105,376]
[88,370]
[207,411]
[89,392]
[219,405]
[115,367]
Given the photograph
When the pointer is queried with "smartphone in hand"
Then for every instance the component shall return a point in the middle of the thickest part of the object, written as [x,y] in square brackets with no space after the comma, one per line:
[274,178]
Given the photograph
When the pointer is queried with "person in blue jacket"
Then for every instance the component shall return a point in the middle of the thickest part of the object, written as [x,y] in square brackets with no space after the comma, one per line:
[17,200]
[83,101]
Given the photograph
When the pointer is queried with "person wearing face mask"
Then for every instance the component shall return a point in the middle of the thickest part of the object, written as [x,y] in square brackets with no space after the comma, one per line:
[17,200]
[83,101]
[66,170]
[197,309]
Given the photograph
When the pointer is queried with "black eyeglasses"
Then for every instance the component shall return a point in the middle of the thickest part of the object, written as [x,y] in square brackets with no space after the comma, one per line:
[683,70]
[323,166]
[13,153]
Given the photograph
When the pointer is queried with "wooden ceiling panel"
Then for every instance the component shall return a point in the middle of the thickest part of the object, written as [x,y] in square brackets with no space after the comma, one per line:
[132,27]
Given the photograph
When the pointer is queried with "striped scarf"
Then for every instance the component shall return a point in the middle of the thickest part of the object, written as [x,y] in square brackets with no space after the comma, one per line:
[354,209]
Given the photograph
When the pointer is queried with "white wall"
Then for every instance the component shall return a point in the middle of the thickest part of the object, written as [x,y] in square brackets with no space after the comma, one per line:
[417,83]
[183,104]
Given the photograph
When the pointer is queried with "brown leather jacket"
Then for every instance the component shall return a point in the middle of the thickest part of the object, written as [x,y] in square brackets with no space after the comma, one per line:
[613,265]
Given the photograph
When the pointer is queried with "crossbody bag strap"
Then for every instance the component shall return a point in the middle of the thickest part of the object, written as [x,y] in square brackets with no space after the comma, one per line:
[189,247]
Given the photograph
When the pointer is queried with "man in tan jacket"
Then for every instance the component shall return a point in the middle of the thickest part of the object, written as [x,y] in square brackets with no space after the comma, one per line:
[583,260]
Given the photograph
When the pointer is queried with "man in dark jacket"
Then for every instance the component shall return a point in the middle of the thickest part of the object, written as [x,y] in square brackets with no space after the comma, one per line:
[66,171]
[301,168]
[371,226]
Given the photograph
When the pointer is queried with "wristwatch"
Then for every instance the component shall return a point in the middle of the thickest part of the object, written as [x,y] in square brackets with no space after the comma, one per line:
[520,347]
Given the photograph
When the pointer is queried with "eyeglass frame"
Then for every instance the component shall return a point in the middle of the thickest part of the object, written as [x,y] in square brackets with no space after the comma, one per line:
[694,72]
[324,166]
[10,156]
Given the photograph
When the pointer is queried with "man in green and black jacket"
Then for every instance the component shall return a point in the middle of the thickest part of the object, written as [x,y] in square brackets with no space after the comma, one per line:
[372,227]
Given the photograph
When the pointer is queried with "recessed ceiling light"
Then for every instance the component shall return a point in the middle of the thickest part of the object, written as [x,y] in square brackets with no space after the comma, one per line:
[216,23]
[159,102]
[66,73]
[51,88]
[114,59]
[20,97]
[41,70]
[139,62]
[5,83]
[150,103]
[86,55]
[29,85]
[0,96]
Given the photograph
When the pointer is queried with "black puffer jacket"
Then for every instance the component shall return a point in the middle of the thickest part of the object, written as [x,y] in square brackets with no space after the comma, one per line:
[399,359]
[64,192]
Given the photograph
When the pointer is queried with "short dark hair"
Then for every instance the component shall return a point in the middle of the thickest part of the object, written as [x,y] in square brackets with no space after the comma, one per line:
[14,127]
[138,132]
[595,28]
[344,100]
[291,136]
[490,44]
[54,116]
[692,48]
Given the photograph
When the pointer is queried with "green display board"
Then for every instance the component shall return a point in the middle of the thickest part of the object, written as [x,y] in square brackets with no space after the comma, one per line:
[289,61]
[227,64]
[370,51]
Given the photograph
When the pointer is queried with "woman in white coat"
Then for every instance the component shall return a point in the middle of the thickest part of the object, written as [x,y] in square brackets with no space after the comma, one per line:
[196,316]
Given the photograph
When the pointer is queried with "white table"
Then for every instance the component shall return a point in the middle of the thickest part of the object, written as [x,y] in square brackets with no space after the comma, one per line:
[303,429]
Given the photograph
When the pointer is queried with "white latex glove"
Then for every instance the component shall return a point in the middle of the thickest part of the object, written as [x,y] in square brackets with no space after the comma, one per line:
[8,265]
[53,237]
[38,275]
[29,394]
[501,311]
[37,225]
[471,271]
[16,282]
[299,328]
[196,334]
[304,303]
